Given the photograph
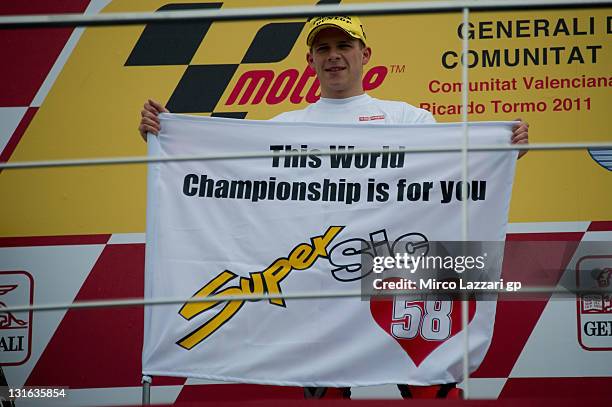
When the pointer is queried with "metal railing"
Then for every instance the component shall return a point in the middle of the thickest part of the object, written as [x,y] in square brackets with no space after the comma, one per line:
[270,13]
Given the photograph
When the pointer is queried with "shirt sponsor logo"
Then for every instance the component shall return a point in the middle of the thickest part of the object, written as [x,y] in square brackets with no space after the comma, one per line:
[370,118]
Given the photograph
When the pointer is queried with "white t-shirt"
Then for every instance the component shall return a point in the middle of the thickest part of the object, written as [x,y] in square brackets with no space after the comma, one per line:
[358,109]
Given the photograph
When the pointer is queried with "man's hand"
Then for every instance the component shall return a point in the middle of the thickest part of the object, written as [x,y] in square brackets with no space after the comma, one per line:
[520,135]
[149,122]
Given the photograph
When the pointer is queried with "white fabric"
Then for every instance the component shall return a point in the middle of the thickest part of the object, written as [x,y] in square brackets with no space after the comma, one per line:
[192,240]
[358,109]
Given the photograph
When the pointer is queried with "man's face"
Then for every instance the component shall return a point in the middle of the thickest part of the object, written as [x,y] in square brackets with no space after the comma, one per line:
[338,60]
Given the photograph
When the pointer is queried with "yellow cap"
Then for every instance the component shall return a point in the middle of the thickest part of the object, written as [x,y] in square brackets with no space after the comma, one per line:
[350,25]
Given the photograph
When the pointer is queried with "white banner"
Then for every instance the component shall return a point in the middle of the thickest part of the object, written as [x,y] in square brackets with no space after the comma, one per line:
[301,224]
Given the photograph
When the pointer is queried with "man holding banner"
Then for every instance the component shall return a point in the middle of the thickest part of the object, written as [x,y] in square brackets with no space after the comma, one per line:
[338,51]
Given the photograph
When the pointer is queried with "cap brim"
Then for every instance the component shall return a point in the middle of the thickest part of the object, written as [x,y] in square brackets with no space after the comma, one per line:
[314,32]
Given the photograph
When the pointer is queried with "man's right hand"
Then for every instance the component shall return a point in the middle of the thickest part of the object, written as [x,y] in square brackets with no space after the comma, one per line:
[149,122]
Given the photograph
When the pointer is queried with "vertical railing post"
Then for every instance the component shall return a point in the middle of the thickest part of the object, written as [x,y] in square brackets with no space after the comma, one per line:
[146,390]
[464,200]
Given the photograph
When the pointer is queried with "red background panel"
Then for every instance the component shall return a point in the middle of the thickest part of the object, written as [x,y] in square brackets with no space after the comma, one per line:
[28,54]
[101,347]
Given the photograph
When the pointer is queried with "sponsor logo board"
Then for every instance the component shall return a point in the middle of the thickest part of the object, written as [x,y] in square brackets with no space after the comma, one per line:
[16,288]
[594,310]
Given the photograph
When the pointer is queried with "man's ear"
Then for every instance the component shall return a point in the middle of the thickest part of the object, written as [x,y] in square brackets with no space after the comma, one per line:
[367,54]
[309,60]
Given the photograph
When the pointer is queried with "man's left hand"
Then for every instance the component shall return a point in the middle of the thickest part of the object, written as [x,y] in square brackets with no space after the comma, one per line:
[520,135]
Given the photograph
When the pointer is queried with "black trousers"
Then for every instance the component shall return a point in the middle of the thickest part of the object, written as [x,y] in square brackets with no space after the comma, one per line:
[320,392]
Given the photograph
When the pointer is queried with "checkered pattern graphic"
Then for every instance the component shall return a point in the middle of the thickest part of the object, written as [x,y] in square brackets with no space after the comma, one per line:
[176,44]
